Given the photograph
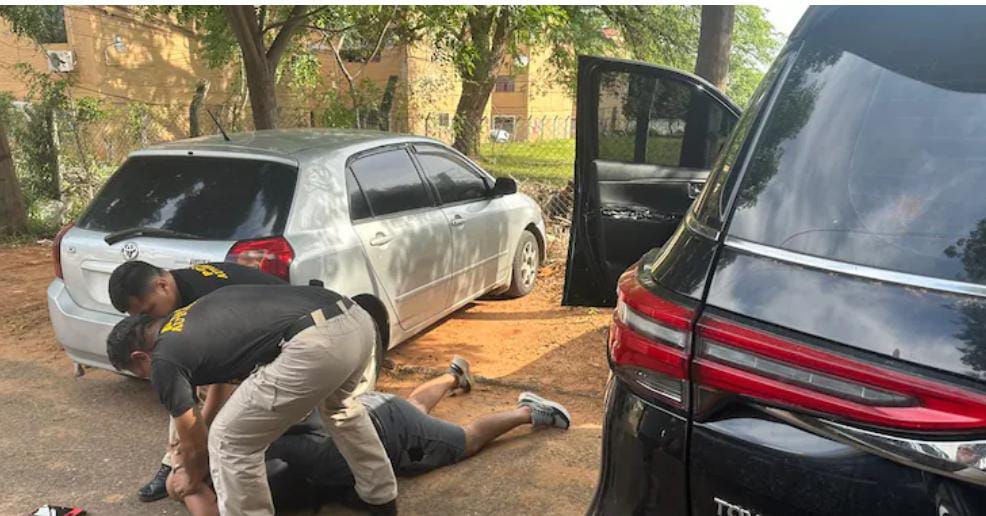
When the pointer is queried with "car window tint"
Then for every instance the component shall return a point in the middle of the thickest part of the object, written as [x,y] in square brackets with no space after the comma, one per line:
[454,182]
[874,151]
[709,208]
[358,208]
[644,119]
[391,182]
[213,198]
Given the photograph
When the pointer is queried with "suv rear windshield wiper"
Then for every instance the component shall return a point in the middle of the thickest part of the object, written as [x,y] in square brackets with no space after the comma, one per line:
[124,234]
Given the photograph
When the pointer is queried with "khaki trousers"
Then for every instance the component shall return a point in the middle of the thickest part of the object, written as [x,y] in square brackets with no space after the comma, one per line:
[322,364]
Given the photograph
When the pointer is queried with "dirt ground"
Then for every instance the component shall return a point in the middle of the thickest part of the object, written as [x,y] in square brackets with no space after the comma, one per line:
[92,441]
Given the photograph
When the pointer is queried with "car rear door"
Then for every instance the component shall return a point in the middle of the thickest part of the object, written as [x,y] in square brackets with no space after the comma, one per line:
[646,137]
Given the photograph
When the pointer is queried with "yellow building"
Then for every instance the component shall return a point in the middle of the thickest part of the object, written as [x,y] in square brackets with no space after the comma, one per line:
[528,100]
[127,58]
[119,56]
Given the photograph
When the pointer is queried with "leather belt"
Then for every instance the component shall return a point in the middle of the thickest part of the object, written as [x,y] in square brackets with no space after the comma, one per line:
[307,321]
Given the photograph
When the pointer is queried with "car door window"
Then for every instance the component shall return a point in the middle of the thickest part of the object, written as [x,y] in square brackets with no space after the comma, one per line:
[454,181]
[390,182]
[646,119]
[358,207]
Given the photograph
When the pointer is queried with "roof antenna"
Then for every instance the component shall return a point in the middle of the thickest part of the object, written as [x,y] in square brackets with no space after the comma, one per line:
[216,121]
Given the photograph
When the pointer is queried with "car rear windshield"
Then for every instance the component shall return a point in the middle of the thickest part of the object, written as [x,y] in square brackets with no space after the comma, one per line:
[874,152]
[212,198]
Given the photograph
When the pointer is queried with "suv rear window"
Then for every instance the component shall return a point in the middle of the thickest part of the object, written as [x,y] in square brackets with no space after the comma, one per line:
[214,198]
[874,152]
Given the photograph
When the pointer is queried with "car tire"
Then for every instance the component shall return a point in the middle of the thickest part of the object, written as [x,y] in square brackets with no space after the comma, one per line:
[527,261]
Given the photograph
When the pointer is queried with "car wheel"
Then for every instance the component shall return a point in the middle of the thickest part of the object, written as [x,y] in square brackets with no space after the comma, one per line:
[527,261]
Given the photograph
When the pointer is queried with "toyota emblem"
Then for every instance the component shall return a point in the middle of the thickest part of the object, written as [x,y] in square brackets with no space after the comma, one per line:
[130,251]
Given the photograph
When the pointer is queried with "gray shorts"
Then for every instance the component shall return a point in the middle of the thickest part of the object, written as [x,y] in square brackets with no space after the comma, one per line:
[416,442]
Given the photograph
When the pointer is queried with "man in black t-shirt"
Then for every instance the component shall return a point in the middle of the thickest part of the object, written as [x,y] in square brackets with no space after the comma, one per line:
[138,287]
[293,348]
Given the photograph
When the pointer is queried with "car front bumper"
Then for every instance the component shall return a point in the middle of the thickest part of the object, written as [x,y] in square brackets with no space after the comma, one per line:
[80,331]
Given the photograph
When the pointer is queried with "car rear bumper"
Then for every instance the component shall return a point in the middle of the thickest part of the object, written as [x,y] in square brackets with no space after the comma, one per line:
[80,331]
[643,459]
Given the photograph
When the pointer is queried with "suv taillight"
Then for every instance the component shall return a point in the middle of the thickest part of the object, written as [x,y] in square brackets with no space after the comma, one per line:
[648,342]
[271,255]
[56,249]
[780,371]
[651,338]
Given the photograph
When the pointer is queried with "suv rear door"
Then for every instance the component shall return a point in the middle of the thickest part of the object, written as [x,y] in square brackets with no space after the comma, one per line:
[645,141]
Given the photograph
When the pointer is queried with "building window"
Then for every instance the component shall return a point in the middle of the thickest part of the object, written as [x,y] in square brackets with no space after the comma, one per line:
[504,83]
[443,120]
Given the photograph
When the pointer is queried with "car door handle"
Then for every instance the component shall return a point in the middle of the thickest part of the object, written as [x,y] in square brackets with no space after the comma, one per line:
[458,221]
[380,239]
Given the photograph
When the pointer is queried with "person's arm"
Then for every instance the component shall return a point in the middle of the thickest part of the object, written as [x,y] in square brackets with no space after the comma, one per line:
[193,446]
[215,397]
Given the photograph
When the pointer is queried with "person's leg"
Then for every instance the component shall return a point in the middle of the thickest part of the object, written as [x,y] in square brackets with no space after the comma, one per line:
[531,409]
[484,429]
[350,340]
[425,396]
[155,489]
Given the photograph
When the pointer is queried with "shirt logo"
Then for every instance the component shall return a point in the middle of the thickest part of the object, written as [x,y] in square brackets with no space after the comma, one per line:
[130,251]
[176,324]
[209,271]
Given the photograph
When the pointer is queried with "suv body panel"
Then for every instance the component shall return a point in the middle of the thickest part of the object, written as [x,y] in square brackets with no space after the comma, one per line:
[750,457]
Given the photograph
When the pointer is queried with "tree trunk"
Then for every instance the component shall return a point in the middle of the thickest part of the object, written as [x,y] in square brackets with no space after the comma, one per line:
[193,109]
[713,45]
[259,60]
[13,215]
[489,30]
[468,123]
[243,22]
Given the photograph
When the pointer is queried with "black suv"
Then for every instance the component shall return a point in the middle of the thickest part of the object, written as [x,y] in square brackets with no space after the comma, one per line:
[811,338]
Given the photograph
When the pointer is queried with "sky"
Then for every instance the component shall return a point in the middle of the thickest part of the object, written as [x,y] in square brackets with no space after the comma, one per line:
[784,15]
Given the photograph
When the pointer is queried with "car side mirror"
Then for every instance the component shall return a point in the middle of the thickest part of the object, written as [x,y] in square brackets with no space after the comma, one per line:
[504,186]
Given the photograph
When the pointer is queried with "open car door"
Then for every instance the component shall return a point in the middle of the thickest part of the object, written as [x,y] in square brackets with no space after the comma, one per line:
[645,139]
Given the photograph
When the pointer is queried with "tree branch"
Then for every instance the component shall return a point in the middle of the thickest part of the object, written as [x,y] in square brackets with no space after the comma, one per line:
[291,19]
[380,40]
[283,38]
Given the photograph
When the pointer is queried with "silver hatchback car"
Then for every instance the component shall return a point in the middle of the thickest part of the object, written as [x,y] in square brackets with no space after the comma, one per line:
[409,228]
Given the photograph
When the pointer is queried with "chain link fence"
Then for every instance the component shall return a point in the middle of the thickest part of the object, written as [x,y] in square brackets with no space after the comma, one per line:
[85,142]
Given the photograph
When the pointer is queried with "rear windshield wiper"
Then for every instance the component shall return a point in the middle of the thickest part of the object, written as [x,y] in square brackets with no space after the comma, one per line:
[124,234]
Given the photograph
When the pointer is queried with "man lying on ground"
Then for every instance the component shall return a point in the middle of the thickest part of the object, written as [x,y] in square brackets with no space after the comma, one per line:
[306,469]
[138,287]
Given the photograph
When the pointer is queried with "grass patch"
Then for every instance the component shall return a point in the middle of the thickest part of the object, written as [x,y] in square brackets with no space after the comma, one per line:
[550,161]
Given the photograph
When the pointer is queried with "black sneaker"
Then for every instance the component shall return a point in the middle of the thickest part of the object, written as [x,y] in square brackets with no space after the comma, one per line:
[155,489]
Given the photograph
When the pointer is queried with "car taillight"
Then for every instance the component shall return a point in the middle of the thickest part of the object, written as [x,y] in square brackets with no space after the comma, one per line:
[271,255]
[56,249]
[648,342]
[780,371]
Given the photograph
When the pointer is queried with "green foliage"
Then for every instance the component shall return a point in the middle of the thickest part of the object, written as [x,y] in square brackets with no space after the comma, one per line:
[755,44]
[40,23]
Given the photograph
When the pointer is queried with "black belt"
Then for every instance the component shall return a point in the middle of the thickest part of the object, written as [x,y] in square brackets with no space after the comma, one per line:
[306,321]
